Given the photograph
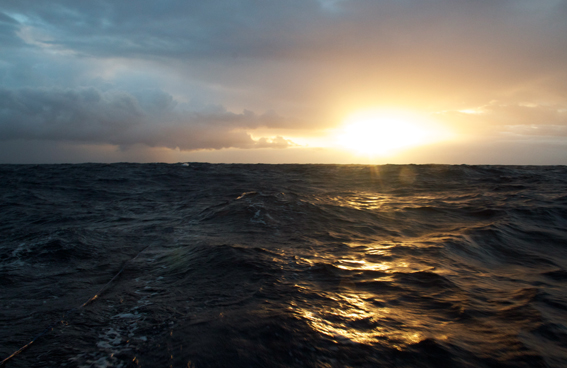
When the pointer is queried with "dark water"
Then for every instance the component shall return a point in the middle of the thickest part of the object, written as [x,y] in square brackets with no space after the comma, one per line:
[284,265]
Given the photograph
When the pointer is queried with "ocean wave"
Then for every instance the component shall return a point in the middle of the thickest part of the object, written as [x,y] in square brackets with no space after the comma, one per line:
[284,265]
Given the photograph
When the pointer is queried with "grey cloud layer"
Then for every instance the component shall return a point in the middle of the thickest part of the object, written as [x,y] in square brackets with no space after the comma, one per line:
[119,118]
[299,28]
[8,32]
[463,34]
[170,28]
[291,53]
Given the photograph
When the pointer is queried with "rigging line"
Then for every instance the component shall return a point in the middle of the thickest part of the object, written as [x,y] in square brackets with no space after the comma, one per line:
[62,320]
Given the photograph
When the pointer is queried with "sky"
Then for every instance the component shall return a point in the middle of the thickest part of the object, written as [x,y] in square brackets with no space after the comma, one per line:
[295,81]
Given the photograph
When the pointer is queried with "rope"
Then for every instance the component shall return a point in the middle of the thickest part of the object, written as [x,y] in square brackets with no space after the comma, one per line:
[62,321]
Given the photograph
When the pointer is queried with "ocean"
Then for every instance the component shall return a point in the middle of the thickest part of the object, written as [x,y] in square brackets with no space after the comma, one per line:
[233,265]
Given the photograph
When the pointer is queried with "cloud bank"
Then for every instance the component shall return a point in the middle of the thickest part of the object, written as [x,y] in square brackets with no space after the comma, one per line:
[213,75]
[152,118]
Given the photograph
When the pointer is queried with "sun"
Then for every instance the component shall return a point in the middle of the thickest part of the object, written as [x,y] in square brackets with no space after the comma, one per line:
[383,132]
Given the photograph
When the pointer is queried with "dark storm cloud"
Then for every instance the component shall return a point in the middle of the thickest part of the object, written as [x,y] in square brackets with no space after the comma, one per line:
[116,117]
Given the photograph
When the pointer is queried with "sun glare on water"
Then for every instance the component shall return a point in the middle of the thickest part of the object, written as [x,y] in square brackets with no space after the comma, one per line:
[380,132]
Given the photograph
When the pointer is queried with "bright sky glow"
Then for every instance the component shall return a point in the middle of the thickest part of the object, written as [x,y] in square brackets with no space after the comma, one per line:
[380,132]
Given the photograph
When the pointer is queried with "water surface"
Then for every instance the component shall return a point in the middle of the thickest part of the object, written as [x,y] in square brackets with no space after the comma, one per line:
[283,265]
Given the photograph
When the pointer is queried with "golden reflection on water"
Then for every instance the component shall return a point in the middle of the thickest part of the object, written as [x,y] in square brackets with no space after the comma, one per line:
[365,202]
[384,203]
[339,323]
[386,267]
[357,316]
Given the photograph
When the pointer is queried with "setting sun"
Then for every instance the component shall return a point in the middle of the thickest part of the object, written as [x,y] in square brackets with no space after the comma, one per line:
[382,132]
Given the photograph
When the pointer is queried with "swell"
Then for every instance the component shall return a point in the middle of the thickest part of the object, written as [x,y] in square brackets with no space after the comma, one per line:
[286,265]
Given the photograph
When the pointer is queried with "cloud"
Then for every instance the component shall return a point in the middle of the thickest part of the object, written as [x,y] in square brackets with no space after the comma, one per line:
[152,118]
[436,31]
[172,73]
[364,51]
[520,119]
[8,32]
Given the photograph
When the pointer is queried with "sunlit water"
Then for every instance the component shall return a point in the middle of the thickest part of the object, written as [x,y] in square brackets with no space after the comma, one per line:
[284,265]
